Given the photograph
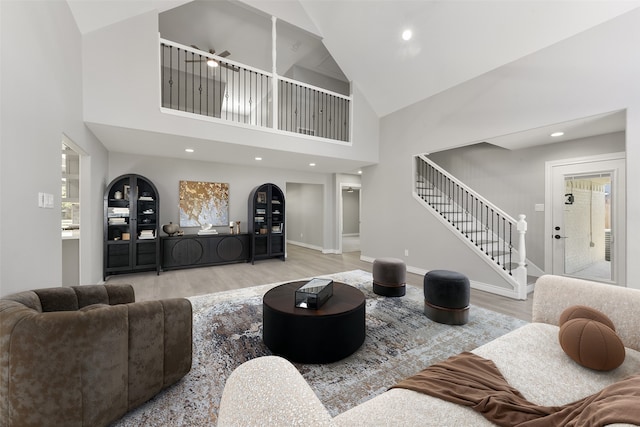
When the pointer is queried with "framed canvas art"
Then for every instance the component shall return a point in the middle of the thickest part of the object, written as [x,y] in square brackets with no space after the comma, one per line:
[204,203]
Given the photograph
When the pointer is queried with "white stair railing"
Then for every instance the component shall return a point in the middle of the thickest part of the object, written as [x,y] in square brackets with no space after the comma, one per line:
[497,236]
[205,84]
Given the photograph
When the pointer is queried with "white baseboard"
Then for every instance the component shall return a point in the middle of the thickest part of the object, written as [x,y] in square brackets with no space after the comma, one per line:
[366,259]
[306,245]
[493,289]
[534,270]
[530,288]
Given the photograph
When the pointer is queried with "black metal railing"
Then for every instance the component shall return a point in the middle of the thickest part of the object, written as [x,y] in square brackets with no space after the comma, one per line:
[312,111]
[242,94]
[487,227]
[200,83]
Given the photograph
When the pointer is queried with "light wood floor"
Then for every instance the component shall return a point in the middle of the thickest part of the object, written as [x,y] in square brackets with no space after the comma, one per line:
[301,262]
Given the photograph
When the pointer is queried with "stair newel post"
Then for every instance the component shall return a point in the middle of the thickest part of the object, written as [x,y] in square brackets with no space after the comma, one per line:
[521,271]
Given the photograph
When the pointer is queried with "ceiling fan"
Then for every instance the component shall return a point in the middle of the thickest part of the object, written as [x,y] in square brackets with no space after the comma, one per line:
[212,62]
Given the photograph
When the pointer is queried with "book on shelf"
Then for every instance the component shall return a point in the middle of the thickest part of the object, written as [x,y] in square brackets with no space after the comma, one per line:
[147,234]
[207,232]
[118,212]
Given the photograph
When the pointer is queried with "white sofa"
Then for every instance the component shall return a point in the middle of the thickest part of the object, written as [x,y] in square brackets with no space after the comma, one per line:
[270,391]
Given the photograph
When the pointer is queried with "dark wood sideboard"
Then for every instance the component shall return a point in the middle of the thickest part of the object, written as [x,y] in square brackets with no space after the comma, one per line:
[199,251]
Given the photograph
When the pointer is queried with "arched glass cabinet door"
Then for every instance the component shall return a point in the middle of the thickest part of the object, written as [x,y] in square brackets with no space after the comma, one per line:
[131,217]
[267,222]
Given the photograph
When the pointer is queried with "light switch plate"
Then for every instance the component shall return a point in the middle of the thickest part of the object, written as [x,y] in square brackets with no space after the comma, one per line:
[45,200]
[539,207]
[48,201]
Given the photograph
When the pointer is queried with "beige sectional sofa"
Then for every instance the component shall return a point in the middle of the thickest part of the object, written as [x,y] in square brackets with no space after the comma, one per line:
[270,391]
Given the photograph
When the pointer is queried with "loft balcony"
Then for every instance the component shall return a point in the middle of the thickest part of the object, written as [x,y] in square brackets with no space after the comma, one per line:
[141,96]
[201,83]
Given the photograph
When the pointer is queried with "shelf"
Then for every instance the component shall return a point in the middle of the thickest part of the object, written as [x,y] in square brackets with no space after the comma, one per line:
[267,208]
[137,215]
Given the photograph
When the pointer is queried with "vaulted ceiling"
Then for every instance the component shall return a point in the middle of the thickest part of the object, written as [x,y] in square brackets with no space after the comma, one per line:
[453,41]
[360,40]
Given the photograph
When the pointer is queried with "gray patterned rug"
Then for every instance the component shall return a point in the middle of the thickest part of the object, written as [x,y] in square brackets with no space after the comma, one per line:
[400,341]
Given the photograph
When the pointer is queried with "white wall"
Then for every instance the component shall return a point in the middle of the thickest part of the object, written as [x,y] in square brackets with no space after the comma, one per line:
[316,79]
[41,100]
[592,73]
[167,173]
[305,208]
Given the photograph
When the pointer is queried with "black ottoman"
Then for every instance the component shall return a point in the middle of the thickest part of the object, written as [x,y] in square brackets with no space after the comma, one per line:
[389,277]
[446,297]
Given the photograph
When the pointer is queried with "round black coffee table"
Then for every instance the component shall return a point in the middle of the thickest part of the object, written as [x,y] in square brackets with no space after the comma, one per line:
[325,335]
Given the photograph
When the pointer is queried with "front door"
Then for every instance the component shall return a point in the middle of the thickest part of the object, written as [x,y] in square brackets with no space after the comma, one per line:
[587,237]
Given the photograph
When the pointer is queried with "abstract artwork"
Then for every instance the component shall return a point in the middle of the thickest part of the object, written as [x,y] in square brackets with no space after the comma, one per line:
[204,203]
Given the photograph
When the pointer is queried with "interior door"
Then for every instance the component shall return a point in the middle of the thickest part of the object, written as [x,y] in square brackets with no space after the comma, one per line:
[588,220]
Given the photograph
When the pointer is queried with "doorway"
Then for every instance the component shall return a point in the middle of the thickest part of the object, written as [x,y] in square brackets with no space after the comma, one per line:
[70,212]
[586,221]
[350,217]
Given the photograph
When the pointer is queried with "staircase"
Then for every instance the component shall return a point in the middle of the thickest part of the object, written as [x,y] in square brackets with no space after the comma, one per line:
[497,237]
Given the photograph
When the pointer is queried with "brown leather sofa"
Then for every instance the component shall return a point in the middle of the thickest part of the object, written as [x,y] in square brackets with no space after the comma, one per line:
[85,355]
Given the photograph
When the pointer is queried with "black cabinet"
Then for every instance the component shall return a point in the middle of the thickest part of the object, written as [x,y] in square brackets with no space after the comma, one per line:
[266,222]
[131,242]
[198,251]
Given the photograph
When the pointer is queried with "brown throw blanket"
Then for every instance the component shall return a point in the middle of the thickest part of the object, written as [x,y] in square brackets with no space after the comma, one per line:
[470,380]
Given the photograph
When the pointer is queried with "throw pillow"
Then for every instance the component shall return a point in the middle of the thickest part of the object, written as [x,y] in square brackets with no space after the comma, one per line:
[584,312]
[592,344]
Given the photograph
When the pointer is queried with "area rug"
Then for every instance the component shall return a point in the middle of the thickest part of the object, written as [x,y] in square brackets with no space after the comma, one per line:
[400,341]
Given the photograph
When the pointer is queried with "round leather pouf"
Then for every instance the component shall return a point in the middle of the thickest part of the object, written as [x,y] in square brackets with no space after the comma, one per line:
[389,277]
[446,297]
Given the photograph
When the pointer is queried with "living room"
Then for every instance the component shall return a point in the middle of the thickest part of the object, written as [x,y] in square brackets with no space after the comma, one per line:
[565,81]
[52,88]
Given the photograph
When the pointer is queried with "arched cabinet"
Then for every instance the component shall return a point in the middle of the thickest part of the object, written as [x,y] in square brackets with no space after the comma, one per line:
[131,240]
[266,222]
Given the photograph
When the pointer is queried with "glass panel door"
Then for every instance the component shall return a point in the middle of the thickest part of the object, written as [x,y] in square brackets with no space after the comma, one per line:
[587,226]
[587,237]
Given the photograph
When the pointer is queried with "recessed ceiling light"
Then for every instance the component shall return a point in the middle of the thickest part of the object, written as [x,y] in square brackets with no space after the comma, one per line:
[406,35]
[312,164]
[189,150]
[258,158]
[557,134]
[360,172]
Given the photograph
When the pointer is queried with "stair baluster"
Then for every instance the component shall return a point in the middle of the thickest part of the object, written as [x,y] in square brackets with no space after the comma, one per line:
[483,224]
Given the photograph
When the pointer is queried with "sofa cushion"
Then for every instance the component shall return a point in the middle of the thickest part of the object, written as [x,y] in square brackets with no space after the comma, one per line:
[591,344]
[57,299]
[555,293]
[94,307]
[584,312]
[531,360]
